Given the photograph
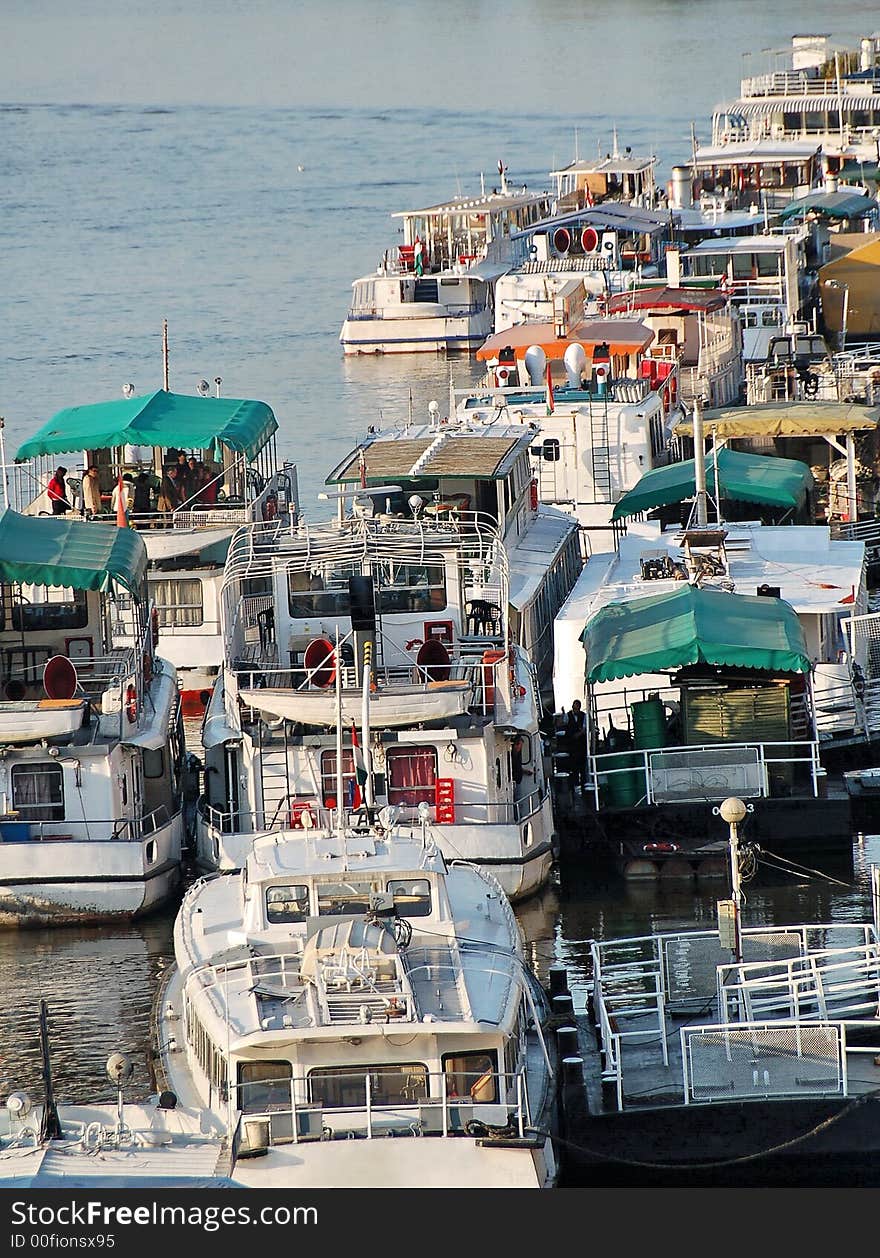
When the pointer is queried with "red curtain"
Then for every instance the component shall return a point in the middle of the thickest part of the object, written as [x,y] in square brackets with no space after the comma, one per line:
[411,774]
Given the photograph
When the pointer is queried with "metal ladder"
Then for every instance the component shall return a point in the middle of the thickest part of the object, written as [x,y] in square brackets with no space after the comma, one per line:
[600,451]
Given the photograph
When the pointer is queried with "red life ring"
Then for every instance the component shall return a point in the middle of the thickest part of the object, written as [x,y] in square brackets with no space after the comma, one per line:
[147,666]
[661,847]
[666,398]
[270,509]
[131,705]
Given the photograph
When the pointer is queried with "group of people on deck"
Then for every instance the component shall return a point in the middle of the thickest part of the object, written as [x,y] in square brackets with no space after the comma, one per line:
[186,482]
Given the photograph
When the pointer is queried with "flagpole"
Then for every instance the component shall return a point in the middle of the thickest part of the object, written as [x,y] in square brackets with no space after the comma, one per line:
[339,775]
[365,727]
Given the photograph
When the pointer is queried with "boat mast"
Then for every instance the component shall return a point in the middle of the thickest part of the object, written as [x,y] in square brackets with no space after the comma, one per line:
[699,464]
[165,354]
[340,782]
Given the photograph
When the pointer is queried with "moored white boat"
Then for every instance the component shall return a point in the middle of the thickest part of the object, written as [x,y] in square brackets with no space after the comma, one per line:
[91,770]
[349,985]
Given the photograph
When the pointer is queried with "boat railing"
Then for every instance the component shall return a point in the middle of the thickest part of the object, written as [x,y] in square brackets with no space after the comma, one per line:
[116,830]
[641,983]
[756,1060]
[304,812]
[819,984]
[798,83]
[404,1101]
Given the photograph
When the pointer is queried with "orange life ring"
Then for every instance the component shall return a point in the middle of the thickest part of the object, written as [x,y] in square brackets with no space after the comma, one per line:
[270,509]
[131,706]
[666,398]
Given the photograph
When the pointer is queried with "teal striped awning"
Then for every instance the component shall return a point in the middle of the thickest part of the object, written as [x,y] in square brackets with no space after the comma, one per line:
[157,419]
[74,553]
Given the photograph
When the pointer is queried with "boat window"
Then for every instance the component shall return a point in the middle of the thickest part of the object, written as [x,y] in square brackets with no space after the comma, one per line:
[409,587]
[344,897]
[768,263]
[472,1074]
[328,778]
[550,450]
[178,600]
[264,1085]
[335,1087]
[54,608]
[324,593]
[412,896]
[288,903]
[770,318]
[38,791]
[411,775]
[154,762]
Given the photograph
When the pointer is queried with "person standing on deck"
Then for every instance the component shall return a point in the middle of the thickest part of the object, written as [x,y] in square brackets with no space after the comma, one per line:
[576,743]
[91,489]
[57,491]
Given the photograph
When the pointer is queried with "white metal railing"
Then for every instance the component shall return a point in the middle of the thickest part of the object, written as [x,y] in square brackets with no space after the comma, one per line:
[700,772]
[637,981]
[427,1106]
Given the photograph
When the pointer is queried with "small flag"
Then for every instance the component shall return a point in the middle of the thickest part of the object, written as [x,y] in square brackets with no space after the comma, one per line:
[550,402]
[360,770]
[121,517]
[362,460]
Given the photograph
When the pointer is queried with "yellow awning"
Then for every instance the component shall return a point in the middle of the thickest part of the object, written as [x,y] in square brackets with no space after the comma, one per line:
[789,419]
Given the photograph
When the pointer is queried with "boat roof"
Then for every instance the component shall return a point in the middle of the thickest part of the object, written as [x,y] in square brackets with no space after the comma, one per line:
[739,244]
[788,419]
[664,298]
[73,553]
[746,153]
[700,625]
[316,854]
[610,164]
[532,555]
[613,215]
[490,202]
[481,452]
[622,336]
[814,572]
[156,419]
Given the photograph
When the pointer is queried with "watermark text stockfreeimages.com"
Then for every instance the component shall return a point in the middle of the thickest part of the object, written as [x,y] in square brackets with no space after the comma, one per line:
[70,1215]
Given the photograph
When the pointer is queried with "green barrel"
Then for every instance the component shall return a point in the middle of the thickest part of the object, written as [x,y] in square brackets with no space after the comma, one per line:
[623,790]
[648,724]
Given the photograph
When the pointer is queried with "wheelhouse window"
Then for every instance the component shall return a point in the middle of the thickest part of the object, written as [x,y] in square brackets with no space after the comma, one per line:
[154,762]
[473,1075]
[411,775]
[288,903]
[412,896]
[179,601]
[264,1085]
[324,593]
[344,897]
[409,587]
[399,1084]
[38,792]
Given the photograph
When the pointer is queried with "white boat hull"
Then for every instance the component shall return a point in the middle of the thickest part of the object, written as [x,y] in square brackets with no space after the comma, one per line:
[399,706]
[415,334]
[62,882]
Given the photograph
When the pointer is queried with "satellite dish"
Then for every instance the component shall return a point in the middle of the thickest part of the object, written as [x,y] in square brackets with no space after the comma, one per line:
[589,240]
[562,240]
[536,363]
[575,360]
[59,678]
[119,1068]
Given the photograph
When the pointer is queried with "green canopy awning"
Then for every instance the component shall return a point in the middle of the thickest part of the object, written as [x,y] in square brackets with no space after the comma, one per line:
[157,419]
[693,626]
[79,554]
[843,204]
[760,478]
[853,169]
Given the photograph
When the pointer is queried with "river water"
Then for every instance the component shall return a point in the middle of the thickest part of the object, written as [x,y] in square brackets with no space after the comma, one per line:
[232,169]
